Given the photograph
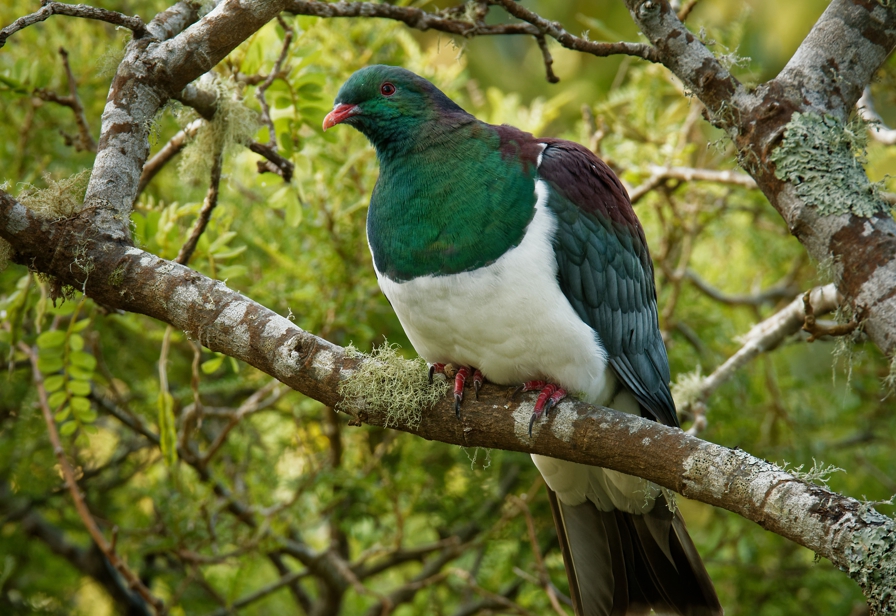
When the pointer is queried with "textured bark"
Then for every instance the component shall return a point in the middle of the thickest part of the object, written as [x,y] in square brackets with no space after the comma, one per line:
[826,76]
[127,278]
[92,252]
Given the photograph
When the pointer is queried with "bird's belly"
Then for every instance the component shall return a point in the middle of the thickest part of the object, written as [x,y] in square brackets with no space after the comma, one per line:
[509,319]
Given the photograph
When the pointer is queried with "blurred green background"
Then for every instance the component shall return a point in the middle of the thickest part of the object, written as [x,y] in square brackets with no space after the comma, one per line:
[299,248]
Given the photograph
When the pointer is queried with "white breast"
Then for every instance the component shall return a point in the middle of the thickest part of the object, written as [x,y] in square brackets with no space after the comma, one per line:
[509,319]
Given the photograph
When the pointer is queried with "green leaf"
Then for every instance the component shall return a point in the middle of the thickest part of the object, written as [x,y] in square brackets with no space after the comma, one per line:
[63,414]
[58,398]
[50,339]
[49,364]
[167,432]
[82,410]
[54,383]
[79,388]
[213,364]
[79,404]
[76,342]
[83,360]
[79,373]
[68,428]
[80,325]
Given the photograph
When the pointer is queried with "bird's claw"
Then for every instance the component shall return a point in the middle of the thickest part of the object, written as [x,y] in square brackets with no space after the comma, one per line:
[550,395]
[460,379]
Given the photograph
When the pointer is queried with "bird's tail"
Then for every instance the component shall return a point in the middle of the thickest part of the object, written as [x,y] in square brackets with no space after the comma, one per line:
[622,563]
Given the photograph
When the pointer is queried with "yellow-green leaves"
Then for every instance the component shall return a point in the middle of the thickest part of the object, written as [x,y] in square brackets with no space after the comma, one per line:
[68,371]
[167,430]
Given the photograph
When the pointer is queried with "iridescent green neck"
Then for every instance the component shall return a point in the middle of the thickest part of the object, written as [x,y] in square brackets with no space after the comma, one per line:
[450,203]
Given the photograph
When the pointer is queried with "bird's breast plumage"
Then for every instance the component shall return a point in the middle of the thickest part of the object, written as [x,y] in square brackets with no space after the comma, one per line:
[509,318]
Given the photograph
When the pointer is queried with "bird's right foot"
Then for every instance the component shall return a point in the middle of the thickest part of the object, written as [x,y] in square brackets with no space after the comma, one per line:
[550,395]
[460,379]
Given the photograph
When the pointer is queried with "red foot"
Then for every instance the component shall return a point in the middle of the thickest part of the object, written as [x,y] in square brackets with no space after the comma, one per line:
[550,395]
[460,379]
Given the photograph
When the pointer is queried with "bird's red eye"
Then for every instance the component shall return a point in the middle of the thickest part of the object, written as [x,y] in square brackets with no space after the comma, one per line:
[387,89]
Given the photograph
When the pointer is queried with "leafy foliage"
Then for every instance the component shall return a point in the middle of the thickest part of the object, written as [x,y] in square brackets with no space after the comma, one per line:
[216,477]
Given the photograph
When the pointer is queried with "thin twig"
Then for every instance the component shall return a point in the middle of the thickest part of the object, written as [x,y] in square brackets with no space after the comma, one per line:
[261,593]
[133,23]
[85,140]
[557,32]
[764,337]
[256,402]
[205,214]
[274,163]
[543,577]
[770,295]
[659,174]
[262,89]
[817,330]
[536,26]
[548,59]
[133,581]
[166,153]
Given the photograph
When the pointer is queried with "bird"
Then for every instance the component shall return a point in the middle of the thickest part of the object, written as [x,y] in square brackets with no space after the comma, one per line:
[520,261]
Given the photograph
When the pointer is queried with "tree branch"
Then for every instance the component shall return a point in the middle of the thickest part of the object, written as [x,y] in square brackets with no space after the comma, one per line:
[832,525]
[878,129]
[146,78]
[764,337]
[71,482]
[85,11]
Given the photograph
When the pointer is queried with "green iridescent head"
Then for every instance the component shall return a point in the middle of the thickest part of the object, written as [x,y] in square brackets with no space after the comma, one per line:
[389,104]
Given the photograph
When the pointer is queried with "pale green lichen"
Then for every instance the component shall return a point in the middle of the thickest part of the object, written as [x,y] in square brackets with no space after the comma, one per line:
[688,388]
[819,473]
[60,199]
[389,383]
[232,126]
[823,159]
[871,558]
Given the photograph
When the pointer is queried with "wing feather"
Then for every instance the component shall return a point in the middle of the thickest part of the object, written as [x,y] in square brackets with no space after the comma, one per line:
[605,270]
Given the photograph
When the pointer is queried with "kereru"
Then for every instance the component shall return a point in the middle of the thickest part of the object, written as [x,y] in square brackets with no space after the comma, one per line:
[521,260]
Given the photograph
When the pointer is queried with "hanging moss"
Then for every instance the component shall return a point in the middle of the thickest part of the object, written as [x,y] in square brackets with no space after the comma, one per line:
[232,126]
[389,383]
[823,159]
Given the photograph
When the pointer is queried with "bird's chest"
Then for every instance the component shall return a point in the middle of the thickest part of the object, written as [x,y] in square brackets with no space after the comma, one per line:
[509,318]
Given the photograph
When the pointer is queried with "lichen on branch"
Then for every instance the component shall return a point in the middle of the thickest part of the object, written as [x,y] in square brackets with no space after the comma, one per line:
[388,382]
[823,159]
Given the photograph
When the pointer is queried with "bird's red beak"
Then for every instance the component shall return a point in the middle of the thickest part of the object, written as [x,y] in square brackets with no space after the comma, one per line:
[339,114]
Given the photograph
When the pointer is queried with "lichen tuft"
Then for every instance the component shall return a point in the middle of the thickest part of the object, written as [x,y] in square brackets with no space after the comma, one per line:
[823,159]
[389,383]
[232,126]
[60,199]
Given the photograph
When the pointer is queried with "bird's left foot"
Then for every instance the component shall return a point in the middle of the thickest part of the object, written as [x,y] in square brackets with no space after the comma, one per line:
[460,379]
[550,395]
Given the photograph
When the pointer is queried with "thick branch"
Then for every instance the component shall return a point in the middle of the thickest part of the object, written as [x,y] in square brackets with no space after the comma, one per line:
[824,78]
[146,78]
[223,320]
